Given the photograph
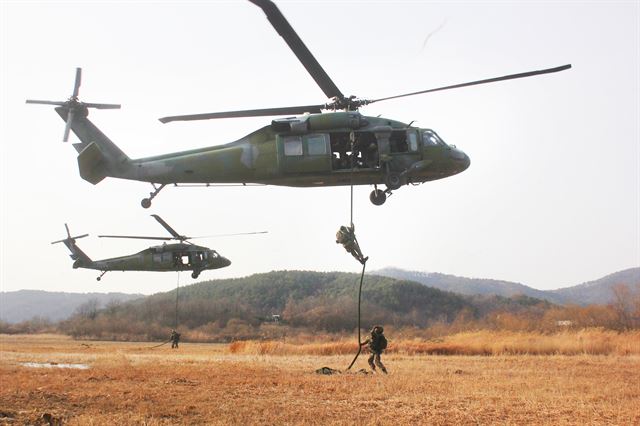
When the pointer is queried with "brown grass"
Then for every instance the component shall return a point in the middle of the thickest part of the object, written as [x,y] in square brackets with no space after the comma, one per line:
[129,383]
[584,342]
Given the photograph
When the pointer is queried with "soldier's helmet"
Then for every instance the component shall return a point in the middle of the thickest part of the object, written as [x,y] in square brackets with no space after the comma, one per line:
[377,329]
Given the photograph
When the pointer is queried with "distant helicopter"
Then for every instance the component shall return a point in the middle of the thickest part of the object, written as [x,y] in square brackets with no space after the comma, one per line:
[315,149]
[181,256]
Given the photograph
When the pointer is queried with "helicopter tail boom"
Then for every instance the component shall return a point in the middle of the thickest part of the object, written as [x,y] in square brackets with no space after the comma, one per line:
[81,260]
[98,156]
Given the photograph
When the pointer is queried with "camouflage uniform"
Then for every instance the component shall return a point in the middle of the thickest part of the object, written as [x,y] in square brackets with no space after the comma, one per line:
[377,343]
[175,338]
[347,237]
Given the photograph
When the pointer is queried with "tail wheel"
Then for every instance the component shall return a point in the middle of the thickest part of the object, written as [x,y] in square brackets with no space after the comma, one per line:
[378,197]
[392,180]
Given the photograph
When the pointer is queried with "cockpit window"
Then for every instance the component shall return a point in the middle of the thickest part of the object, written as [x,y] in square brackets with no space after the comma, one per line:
[431,139]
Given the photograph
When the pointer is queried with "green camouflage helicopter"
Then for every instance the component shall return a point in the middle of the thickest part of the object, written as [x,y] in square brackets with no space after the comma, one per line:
[181,256]
[314,148]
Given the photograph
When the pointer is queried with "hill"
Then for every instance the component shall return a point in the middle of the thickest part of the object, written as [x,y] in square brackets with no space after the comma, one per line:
[594,292]
[599,291]
[22,305]
[240,308]
[462,285]
[324,300]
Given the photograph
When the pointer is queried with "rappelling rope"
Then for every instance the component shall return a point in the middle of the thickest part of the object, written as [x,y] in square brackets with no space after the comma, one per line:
[176,317]
[352,137]
[177,288]
[359,328]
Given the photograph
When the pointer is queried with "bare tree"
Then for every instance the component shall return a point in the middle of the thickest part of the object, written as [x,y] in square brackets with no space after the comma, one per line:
[89,309]
[622,304]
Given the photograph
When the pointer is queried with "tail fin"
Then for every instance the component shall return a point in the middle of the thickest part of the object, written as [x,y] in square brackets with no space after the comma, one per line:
[98,156]
[80,258]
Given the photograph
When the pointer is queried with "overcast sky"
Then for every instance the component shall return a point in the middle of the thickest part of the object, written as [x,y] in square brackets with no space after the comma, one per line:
[551,198]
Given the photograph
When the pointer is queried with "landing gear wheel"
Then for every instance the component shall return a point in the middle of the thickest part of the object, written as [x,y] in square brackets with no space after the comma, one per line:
[392,180]
[378,197]
[146,202]
[195,274]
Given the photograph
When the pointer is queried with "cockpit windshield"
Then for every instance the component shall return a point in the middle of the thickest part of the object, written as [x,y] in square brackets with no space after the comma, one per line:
[430,138]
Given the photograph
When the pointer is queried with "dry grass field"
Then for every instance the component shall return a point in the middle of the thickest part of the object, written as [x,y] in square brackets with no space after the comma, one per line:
[130,383]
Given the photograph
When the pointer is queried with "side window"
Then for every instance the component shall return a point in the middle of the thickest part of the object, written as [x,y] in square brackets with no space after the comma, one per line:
[316,144]
[157,258]
[292,145]
[412,139]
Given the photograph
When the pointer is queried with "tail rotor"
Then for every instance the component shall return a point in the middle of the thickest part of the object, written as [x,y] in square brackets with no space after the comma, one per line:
[73,105]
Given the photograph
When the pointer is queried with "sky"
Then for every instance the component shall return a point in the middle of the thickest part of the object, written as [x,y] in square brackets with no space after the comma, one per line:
[551,198]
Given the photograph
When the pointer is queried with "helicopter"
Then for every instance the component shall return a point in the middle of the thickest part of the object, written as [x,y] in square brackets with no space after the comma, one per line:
[329,144]
[180,256]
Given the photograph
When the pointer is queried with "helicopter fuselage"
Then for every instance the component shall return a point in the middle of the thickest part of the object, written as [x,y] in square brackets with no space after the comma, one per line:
[161,258]
[313,150]
[329,149]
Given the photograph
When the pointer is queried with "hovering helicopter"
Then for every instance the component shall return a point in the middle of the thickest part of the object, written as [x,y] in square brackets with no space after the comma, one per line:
[181,256]
[313,149]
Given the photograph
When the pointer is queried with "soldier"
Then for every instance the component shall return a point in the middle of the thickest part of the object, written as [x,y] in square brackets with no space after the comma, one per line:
[175,338]
[347,237]
[377,343]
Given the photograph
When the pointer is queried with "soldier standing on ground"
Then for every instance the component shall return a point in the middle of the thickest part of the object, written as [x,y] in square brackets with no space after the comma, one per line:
[377,343]
[347,237]
[175,338]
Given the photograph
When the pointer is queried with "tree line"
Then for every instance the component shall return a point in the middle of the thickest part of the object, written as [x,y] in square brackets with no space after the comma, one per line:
[289,302]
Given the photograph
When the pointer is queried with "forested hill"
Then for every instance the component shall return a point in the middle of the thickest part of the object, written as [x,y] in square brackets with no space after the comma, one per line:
[309,299]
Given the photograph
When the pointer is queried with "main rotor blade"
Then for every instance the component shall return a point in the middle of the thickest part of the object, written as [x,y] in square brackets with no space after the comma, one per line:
[168,228]
[76,85]
[230,235]
[31,101]
[473,83]
[101,106]
[136,237]
[246,113]
[289,35]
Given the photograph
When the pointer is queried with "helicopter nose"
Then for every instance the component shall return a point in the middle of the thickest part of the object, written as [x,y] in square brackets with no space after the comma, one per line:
[225,262]
[461,160]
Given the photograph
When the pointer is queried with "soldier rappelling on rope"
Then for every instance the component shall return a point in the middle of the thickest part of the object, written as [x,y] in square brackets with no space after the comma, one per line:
[347,237]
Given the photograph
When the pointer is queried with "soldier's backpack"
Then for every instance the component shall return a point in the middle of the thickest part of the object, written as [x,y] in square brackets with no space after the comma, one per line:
[383,342]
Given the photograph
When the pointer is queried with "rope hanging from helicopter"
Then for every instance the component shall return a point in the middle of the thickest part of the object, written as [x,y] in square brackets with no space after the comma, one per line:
[175,327]
[353,247]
